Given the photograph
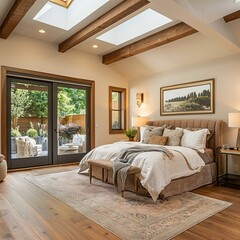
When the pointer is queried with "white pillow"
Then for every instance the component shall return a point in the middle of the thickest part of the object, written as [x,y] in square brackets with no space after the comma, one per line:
[194,139]
[142,130]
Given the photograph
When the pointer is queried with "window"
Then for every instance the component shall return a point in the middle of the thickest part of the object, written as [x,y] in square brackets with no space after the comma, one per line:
[117,110]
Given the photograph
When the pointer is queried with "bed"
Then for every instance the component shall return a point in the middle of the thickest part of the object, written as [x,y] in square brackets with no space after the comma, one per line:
[192,168]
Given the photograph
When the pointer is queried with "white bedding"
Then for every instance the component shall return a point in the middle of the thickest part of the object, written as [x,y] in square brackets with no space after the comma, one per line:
[157,170]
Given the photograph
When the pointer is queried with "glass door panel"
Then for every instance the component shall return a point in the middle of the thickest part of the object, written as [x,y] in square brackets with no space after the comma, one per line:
[72,123]
[29,123]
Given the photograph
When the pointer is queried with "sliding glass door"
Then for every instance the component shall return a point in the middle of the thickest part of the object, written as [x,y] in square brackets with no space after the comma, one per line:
[71,124]
[29,122]
[47,123]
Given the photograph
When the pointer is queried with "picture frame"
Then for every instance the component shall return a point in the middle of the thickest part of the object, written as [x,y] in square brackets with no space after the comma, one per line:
[188,98]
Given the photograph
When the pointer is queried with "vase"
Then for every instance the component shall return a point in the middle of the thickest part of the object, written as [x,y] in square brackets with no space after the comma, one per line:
[131,139]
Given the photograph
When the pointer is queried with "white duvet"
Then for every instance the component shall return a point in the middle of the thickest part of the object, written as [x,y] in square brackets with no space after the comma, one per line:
[157,170]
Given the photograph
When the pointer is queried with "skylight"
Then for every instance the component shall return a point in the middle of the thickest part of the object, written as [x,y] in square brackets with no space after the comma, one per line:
[66,18]
[63,3]
[144,22]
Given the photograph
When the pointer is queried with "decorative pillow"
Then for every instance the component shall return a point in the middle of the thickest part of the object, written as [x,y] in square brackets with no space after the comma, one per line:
[1,157]
[160,140]
[209,134]
[195,139]
[151,130]
[174,136]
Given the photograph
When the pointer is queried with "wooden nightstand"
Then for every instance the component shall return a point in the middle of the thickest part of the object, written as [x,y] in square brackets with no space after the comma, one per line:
[229,180]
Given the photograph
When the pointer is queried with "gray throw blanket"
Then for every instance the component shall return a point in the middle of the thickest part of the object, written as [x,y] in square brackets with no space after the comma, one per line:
[126,157]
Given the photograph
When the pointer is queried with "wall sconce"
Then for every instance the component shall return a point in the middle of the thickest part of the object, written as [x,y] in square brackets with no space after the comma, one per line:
[139,99]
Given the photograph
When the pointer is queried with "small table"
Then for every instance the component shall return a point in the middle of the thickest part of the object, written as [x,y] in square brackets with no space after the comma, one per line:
[71,147]
[229,180]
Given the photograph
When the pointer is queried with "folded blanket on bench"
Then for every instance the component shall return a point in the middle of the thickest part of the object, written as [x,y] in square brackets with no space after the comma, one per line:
[126,157]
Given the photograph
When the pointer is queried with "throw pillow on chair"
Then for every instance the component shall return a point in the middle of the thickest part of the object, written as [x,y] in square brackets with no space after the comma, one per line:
[3,167]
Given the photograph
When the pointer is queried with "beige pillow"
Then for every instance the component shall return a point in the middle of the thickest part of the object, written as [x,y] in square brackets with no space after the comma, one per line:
[174,136]
[151,130]
[160,140]
[1,157]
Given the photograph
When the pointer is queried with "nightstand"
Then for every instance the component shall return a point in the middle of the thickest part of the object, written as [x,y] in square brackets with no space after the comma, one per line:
[229,180]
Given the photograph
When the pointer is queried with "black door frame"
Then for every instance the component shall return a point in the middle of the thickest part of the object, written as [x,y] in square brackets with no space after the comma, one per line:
[28,161]
[69,158]
[41,76]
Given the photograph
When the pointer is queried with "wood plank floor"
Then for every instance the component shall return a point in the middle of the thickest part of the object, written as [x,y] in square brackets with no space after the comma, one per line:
[27,212]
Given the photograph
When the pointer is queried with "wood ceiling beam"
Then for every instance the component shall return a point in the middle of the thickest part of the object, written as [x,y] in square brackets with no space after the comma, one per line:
[165,36]
[15,15]
[232,16]
[122,10]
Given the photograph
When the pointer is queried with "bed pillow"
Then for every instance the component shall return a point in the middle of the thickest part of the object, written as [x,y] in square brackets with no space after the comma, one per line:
[151,130]
[195,139]
[160,140]
[209,134]
[174,136]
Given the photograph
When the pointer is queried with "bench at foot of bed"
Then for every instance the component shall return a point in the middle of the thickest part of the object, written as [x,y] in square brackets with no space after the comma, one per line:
[107,165]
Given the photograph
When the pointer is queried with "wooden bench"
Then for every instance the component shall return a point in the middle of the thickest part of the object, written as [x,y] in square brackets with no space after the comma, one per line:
[107,165]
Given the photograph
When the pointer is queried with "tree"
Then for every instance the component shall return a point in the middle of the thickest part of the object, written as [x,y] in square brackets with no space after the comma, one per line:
[64,105]
[39,104]
[77,99]
[19,103]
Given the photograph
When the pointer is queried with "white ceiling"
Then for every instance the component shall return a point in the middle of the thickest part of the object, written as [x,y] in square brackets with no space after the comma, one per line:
[215,37]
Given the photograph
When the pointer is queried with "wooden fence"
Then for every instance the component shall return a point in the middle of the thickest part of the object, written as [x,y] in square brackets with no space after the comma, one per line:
[24,122]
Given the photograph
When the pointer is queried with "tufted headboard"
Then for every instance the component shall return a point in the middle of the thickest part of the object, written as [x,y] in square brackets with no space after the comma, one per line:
[216,125]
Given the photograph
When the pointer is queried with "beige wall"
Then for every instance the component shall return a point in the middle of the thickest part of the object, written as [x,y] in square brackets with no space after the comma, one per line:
[227,91]
[31,54]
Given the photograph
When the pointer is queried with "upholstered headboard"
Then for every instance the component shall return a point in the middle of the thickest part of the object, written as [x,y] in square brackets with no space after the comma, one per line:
[216,125]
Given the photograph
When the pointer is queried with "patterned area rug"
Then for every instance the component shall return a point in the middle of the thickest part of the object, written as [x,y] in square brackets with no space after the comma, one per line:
[133,217]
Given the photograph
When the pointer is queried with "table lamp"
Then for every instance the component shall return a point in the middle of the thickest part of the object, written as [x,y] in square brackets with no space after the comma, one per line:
[234,121]
[137,122]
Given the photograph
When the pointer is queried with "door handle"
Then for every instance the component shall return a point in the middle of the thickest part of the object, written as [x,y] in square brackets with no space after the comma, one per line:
[56,131]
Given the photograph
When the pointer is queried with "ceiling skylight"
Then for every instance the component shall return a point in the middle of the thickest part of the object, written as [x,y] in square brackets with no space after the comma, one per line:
[63,3]
[67,18]
[142,23]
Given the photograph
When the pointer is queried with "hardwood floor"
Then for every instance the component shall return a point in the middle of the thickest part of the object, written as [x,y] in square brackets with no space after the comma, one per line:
[27,212]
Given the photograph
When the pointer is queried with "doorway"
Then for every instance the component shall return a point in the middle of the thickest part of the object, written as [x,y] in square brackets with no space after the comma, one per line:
[47,122]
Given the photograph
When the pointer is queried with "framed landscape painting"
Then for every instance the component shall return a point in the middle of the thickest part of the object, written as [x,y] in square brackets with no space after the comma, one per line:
[188,98]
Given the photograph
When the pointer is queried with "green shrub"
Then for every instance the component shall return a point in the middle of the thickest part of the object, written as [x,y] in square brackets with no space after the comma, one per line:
[32,132]
[15,132]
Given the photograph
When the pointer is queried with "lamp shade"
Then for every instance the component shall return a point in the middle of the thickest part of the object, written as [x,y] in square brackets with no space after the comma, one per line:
[138,121]
[234,119]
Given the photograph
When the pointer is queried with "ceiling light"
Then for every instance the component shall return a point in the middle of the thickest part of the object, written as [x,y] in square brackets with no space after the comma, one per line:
[95,46]
[42,31]
[236,1]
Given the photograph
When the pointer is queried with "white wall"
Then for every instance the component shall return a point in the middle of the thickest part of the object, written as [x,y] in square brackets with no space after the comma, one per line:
[31,54]
[226,72]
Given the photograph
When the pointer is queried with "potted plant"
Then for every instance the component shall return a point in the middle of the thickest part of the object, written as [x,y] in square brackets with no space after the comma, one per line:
[131,133]
[14,133]
[32,132]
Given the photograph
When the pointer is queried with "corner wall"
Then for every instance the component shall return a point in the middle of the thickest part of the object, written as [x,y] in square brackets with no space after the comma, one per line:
[27,53]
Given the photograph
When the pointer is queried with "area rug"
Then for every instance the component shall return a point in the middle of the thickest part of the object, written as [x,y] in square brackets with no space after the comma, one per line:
[132,217]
